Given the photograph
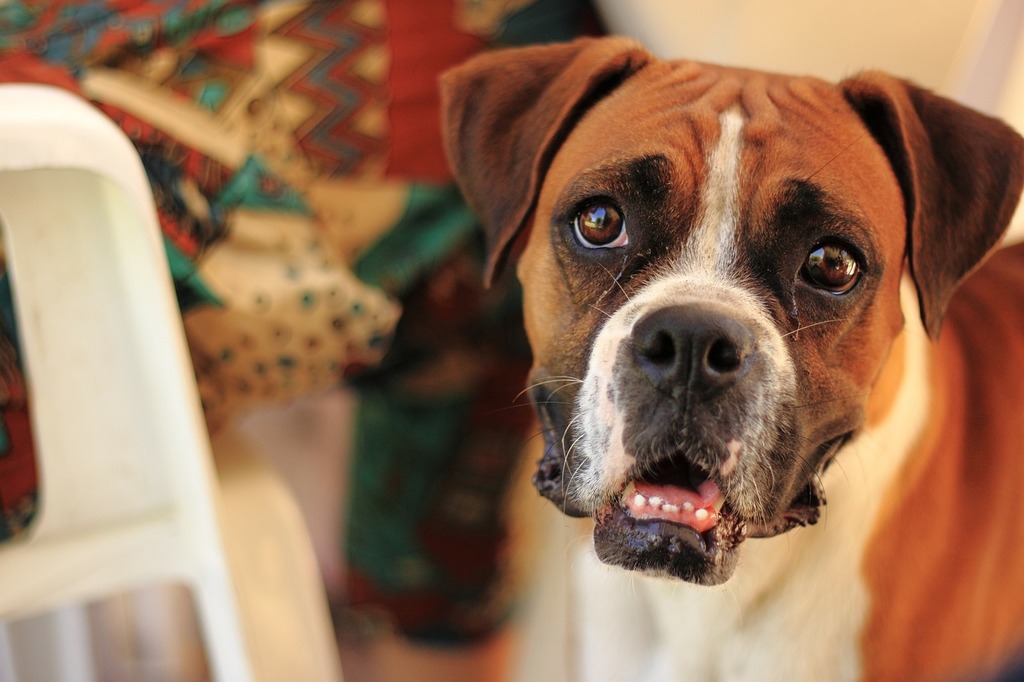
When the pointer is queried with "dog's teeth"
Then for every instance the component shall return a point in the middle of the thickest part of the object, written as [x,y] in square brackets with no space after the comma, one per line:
[671,508]
[655,501]
[700,514]
[718,503]
[639,500]
[688,506]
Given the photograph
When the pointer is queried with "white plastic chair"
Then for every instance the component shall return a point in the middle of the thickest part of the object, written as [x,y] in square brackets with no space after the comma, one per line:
[128,494]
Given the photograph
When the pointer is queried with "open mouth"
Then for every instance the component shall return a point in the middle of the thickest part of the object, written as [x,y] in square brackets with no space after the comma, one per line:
[676,521]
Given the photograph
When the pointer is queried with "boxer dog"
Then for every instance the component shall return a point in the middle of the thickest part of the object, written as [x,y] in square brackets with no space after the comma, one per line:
[748,294]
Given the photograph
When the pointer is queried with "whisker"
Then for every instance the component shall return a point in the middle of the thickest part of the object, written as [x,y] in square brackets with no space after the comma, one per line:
[549,380]
[566,433]
[528,440]
[814,324]
[572,473]
[615,280]
[572,445]
[566,451]
[560,388]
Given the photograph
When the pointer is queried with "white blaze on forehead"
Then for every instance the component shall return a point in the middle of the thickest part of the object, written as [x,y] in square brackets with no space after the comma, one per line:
[703,274]
[711,246]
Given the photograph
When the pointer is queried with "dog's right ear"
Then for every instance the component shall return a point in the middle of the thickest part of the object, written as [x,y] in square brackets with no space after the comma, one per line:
[505,113]
[960,172]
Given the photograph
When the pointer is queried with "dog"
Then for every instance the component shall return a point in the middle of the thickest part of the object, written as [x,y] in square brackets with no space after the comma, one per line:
[747,294]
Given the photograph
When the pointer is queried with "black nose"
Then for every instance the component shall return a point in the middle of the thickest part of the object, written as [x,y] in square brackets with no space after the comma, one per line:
[692,348]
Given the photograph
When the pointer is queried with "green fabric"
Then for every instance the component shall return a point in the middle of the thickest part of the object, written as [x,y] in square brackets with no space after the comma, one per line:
[403,447]
[8,322]
[543,21]
[255,186]
[189,287]
[435,221]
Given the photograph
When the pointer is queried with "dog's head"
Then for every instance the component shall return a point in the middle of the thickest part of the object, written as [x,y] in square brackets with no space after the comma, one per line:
[711,261]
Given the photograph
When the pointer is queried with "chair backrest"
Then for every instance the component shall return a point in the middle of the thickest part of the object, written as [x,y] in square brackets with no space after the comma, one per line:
[118,426]
[113,397]
[128,494]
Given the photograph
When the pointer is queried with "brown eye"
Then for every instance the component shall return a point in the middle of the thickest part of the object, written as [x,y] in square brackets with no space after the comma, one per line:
[831,267]
[600,226]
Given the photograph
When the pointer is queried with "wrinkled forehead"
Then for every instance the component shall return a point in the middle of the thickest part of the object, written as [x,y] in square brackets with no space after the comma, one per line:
[787,130]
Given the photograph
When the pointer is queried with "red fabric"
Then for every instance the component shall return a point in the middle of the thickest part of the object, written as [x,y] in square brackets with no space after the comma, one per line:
[424,42]
[24,68]
[210,175]
[167,17]
[339,94]
[18,473]
[19,476]
[411,611]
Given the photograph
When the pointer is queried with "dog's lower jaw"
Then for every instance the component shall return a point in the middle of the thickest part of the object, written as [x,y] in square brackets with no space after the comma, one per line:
[664,549]
[677,534]
[651,546]
[700,553]
[704,549]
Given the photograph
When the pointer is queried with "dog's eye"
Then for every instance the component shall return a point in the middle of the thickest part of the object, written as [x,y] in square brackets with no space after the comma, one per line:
[600,226]
[831,266]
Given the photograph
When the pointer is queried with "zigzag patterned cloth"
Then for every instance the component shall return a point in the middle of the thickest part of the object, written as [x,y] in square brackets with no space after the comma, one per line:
[295,158]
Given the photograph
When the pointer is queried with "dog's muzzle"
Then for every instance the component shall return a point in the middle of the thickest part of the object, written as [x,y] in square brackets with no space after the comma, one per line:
[699,452]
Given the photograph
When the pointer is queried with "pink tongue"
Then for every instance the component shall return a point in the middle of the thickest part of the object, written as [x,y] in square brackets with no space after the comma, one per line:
[693,508]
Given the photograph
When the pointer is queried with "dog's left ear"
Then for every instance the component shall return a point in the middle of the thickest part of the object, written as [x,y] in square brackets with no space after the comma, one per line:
[960,173]
[505,113]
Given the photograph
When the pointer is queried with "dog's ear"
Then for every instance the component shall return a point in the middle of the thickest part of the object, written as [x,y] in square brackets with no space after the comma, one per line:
[506,112]
[960,173]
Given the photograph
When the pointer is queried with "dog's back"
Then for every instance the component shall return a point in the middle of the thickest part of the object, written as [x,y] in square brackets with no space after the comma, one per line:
[946,564]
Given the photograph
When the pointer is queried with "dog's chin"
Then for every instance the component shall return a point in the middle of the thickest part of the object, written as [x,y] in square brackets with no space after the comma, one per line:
[667,549]
[663,547]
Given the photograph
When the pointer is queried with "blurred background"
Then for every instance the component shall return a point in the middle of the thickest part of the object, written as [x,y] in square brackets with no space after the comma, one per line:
[328,277]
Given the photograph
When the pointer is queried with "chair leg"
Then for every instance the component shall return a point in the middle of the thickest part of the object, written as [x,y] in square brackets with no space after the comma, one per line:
[226,649]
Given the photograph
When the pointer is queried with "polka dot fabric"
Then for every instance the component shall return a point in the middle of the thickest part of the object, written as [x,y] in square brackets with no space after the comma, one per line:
[292,319]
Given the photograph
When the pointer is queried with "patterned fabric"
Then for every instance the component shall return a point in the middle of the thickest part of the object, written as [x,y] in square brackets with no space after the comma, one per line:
[290,145]
[439,428]
[271,308]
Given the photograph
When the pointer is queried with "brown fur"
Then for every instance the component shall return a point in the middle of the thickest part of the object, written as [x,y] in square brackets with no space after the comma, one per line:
[946,565]
[936,185]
